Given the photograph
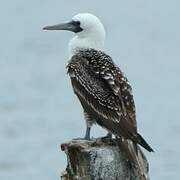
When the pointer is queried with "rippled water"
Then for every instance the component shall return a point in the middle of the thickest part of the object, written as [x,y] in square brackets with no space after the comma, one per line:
[38,110]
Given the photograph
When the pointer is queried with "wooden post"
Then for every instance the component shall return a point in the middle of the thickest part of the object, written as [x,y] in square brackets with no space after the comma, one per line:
[100,160]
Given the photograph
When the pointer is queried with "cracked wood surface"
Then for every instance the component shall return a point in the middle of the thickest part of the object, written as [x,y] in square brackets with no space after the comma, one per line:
[100,160]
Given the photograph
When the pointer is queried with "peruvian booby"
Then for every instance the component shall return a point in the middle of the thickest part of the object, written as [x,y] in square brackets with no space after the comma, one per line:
[101,87]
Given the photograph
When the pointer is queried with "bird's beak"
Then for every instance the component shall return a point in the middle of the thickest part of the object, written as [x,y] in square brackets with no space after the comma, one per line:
[69,26]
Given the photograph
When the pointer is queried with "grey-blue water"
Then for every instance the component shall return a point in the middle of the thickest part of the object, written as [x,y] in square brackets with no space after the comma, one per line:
[38,110]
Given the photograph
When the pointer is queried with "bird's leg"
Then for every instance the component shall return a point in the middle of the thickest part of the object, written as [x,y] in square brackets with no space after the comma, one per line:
[87,135]
[89,123]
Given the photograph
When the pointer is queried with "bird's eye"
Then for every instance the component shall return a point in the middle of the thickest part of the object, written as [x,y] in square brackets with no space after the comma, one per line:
[76,23]
[76,26]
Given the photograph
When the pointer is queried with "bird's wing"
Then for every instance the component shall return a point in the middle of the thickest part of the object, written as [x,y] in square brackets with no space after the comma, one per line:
[119,84]
[107,77]
[122,88]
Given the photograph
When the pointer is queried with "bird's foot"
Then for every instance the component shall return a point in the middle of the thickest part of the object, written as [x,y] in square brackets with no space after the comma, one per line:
[82,139]
[107,137]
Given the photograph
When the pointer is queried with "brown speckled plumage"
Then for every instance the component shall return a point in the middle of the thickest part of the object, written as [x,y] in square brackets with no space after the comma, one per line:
[105,94]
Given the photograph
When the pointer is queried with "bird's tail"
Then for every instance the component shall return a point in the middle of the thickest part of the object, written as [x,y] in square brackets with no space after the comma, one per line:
[144,144]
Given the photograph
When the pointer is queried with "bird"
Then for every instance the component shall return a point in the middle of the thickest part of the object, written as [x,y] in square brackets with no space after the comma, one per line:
[102,88]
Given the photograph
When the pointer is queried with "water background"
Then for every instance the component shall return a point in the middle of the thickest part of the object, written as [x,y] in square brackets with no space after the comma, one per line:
[38,110]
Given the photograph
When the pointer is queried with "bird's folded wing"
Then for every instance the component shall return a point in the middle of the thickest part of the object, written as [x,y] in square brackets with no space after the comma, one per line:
[120,86]
[108,86]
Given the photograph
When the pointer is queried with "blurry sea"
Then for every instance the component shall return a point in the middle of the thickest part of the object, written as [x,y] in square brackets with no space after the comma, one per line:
[38,110]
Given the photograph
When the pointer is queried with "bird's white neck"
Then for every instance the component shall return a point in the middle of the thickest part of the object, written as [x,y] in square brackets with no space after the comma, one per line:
[86,40]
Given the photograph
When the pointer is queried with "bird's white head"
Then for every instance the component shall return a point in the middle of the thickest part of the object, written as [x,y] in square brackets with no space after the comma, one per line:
[88,29]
